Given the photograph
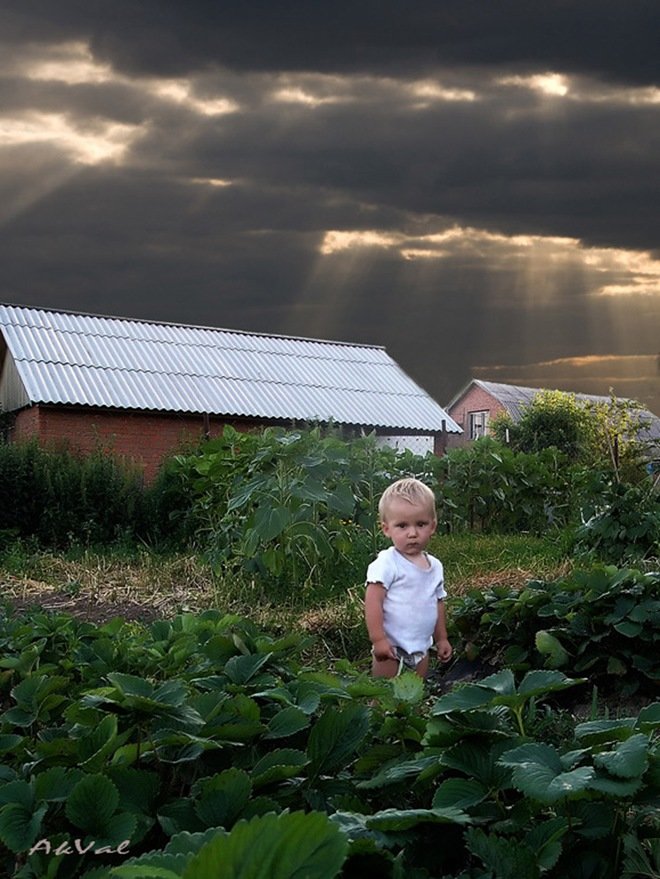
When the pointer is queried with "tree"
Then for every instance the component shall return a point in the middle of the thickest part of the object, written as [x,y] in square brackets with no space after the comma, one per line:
[604,434]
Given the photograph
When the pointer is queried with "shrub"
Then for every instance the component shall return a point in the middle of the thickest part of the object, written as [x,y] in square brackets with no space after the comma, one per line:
[62,498]
[623,525]
[490,488]
[295,508]
[600,434]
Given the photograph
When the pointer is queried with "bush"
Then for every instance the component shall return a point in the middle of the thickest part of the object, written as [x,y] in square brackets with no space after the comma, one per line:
[623,525]
[298,509]
[62,498]
[490,488]
[202,746]
[601,434]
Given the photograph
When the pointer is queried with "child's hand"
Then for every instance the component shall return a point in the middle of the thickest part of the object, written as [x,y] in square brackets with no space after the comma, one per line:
[444,650]
[383,650]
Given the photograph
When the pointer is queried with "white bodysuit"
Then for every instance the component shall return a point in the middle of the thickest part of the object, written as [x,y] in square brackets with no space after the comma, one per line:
[410,608]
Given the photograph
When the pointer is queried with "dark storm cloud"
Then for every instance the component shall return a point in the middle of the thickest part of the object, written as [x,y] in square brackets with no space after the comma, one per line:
[168,37]
[382,172]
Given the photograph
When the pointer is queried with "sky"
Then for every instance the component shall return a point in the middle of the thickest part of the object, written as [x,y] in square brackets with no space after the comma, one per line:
[473,185]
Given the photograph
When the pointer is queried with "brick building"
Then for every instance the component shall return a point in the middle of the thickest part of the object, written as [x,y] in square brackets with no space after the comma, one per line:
[143,389]
[477,403]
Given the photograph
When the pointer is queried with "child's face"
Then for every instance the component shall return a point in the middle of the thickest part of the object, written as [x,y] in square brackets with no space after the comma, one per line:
[409,526]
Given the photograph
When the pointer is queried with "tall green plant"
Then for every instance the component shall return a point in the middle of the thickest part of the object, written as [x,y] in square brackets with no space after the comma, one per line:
[622,525]
[62,498]
[297,508]
[602,434]
[490,488]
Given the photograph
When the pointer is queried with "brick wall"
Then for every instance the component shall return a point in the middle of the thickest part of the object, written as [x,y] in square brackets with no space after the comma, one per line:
[142,437]
[475,399]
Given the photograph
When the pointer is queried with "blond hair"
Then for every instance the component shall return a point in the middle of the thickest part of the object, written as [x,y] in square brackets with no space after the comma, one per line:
[411,490]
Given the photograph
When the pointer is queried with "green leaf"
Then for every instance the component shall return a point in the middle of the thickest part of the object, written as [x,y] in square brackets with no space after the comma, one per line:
[18,791]
[306,694]
[179,815]
[19,826]
[629,629]
[92,803]
[185,843]
[240,669]
[277,766]
[272,522]
[404,819]
[616,667]
[642,858]
[286,846]
[335,736]
[615,787]
[459,793]
[223,797]
[539,682]
[118,829]
[595,732]
[649,717]
[286,722]
[138,788]
[93,749]
[479,760]
[537,772]
[502,682]
[9,741]
[56,784]
[130,685]
[408,687]
[550,647]
[627,760]
[152,866]
[502,860]
[596,818]
[398,772]
[544,840]
[463,698]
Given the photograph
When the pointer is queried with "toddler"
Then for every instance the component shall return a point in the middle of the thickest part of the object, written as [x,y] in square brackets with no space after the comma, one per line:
[404,603]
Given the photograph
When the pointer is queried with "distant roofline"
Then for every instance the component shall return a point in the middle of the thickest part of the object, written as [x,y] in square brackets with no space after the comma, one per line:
[485,385]
[163,323]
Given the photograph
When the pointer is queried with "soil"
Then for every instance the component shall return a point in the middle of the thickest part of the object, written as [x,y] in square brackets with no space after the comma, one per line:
[82,607]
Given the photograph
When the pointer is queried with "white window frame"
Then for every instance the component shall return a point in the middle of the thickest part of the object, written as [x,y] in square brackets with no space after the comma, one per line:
[478,423]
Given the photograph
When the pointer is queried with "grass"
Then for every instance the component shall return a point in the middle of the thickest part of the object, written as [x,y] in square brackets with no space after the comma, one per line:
[135,582]
[477,560]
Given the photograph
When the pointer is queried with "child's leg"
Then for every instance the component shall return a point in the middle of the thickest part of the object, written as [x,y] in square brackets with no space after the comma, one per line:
[422,667]
[384,668]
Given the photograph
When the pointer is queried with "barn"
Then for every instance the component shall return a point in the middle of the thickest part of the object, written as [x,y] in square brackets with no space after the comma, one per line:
[144,388]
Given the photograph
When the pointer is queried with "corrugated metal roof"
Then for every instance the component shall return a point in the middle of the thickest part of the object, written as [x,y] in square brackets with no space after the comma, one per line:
[93,360]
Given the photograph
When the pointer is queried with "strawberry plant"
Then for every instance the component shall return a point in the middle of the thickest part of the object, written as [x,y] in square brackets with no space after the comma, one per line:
[604,622]
[202,746]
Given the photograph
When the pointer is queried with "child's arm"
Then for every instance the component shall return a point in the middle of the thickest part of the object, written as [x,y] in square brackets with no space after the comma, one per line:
[442,645]
[373,615]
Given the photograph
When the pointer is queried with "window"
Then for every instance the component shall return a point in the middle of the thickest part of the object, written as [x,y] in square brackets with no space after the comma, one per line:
[478,424]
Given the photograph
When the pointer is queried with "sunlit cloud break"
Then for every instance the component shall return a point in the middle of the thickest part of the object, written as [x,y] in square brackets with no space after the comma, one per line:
[106,141]
[71,63]
[555,84]
[180,91]
[613,271]
[335,241]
